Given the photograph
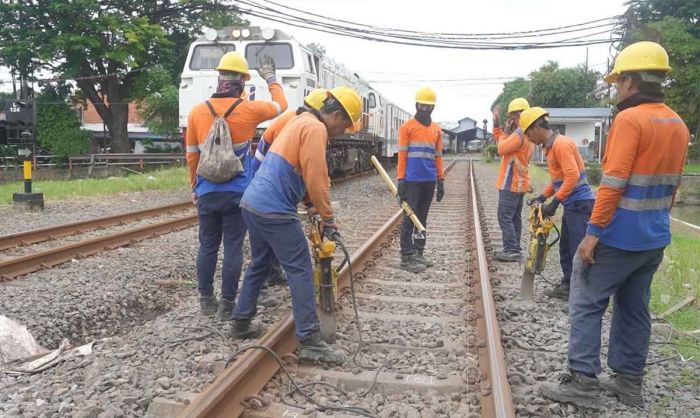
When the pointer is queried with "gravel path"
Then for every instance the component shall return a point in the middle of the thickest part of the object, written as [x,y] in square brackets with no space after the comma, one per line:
[536,336]
[151,342]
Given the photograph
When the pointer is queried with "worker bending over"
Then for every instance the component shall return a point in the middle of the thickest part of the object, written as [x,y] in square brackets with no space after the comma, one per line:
[218,203]
[568,186]
[513,178]
[419,167]
[313,100]
[628,231]
[294,165]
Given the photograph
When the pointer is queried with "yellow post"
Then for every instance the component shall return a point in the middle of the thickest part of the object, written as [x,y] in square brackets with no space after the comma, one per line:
[394,191]
[27,176]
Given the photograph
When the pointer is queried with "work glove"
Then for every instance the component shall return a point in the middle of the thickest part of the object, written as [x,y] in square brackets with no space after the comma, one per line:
[330,229]
[401,191]
[267,69]
[539,199]
[440,190]
[551,208]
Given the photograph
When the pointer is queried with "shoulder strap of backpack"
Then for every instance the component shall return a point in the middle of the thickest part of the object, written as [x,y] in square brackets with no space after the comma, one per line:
[233,106]
[211,109]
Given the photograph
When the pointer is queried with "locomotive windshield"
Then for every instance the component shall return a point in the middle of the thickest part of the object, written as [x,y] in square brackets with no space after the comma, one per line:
[280,53]
[206,57]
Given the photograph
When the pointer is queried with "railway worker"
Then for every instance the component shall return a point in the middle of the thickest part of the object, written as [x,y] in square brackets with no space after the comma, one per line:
[218,204]
[627,233]
[314,100]
[419,168]
[513,178]
[568,186]
[294,165]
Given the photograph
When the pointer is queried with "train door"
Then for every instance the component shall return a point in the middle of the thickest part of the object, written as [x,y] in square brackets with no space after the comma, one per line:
[309,78]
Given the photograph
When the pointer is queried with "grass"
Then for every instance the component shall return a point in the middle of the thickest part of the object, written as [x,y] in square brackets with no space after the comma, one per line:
[166,179]
[692,168]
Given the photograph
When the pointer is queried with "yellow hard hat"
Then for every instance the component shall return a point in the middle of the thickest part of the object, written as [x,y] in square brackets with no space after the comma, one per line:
[426,95]
[235,62]
[640,56]
[350,100]
[529,116]
[518,104]
[316,97]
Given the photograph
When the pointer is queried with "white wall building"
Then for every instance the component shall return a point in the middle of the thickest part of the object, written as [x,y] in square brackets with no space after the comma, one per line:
[587,126]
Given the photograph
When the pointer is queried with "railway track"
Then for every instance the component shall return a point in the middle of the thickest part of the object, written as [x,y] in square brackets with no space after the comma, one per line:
[433,335]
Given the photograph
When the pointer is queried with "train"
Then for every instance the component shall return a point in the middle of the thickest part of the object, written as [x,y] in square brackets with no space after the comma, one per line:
[300,69]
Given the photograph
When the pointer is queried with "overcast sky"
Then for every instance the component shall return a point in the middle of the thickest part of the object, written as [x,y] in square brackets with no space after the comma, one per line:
[374,60]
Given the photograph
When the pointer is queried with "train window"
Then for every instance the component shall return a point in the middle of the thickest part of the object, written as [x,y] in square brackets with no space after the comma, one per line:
[206,57]
[280,53]
[372,101]
[309,64]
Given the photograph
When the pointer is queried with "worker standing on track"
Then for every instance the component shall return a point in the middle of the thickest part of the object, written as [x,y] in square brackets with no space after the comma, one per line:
[568,185]
[313,100]
[218,203]
[513,178]
[294,165]
[419,167]
[627,233]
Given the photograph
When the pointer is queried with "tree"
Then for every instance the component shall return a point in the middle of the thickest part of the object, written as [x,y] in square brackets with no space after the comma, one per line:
[674,25]
[159,107]
[58,127]
[104,45]
[511,89]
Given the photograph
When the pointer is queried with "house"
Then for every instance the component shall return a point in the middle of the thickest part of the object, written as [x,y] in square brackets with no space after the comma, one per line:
[457,135]
[587,126]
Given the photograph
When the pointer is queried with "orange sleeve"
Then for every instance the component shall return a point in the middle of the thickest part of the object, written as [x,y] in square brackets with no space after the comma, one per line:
[620,153]
[403,152]
[438,157]
[548,190]
[566,156]
[192,149]
[275,128]
[314,170]
[498,133]
[267,110]
[511,144]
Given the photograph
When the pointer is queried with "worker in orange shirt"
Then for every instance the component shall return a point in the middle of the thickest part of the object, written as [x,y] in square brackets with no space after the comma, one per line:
[313,100]
[568,186]
[419,170]
[513,178]
[294,166]
[218,203]
[628,231]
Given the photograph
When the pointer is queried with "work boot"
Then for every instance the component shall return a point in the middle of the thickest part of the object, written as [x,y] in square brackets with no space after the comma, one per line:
[419,258]
[208,305]
[411,264]
[507,257]
[559,292]
[223,313]
[245,328]
[575,388]
[316,350]
[627,387]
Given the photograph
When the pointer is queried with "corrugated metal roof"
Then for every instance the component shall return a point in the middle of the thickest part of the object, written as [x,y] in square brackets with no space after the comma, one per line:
[575,112]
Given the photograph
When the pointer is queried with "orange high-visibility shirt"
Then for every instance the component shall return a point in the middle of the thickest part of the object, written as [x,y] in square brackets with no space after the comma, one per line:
[515,151]
[420,152]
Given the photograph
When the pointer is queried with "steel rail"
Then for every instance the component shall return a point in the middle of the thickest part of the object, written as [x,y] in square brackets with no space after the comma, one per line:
[18,266]
[498,394]
[248,374]
[45,234]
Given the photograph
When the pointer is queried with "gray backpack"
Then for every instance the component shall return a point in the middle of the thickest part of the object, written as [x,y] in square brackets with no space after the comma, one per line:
[217,159]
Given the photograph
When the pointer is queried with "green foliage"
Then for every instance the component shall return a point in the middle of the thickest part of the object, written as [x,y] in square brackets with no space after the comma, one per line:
[105,45]
[159,106]
[551,86]
[58,127]
[594,173]
[490,153]
[674,25]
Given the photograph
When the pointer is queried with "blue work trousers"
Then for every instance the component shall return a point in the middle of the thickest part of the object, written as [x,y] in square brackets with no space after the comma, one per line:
[573,229]
[510,207]
[627,275]
[220,216]
[419,196]
[284,239]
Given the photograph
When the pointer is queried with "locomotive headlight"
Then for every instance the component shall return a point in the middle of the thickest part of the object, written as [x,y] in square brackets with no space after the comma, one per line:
[268,33]
[236,33]
[210,34]
[245,33]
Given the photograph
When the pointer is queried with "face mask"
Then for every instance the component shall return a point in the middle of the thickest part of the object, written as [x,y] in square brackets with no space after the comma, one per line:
[423,116]
[232,88]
